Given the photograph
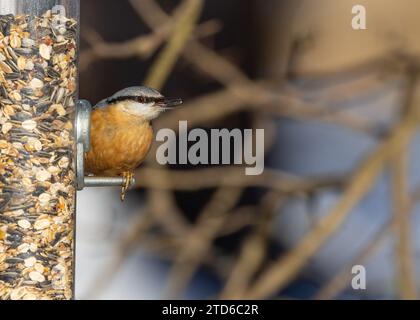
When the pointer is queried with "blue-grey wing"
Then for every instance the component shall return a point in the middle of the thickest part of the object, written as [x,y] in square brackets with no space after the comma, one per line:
[101,104]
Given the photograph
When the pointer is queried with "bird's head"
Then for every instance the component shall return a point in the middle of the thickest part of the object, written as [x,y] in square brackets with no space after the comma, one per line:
[142,102]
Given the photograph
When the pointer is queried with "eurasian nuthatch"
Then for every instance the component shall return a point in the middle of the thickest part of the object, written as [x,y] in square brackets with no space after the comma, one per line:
[121,131]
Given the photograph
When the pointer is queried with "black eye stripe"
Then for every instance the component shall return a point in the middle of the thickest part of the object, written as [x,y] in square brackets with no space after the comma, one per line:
[140,99]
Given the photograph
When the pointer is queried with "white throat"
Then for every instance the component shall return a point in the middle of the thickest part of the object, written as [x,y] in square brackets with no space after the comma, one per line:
[146,110]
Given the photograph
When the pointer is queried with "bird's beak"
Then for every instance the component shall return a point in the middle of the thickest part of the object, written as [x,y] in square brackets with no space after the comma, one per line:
[171,102]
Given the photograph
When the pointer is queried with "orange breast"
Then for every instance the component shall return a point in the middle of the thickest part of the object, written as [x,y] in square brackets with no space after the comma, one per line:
[119,142]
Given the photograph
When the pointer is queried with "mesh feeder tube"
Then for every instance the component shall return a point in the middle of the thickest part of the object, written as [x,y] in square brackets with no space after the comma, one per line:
[38,95]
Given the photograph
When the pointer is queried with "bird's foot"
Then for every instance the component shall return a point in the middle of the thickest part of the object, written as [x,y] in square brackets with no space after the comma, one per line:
[128,177]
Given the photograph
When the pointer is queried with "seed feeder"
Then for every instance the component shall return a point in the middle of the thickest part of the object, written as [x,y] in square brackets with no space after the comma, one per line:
[44,133]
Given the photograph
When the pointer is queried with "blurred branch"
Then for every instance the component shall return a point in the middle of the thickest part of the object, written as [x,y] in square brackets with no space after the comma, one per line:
[225,102]
[253,250]
[401,203]
[186,180]
[199,240]
[242,93]
[405,262]
[162,202]
[251,94]
[284,270]
[343,278]
[182,31]
[150,12]
[142,47]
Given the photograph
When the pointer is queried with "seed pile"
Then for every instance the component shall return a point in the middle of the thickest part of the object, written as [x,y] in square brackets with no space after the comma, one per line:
[38,73]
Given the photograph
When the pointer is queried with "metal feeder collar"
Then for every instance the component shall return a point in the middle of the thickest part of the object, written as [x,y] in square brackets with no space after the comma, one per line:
[82,131]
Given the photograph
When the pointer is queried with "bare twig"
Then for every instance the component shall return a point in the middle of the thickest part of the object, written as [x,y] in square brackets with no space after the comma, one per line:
[343,278]
[405,262]
[198,242]
[162,203]
[284,270]
[186,180]
[251,94]
[182,32]
[253,250]
[142,46]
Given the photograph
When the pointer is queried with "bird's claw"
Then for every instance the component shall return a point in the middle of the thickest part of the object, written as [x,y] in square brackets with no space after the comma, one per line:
[128,177]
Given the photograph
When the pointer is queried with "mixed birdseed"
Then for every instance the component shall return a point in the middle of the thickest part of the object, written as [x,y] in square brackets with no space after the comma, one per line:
[38,73]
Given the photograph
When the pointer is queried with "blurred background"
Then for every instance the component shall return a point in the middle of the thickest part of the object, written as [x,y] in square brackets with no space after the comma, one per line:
[340,186]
